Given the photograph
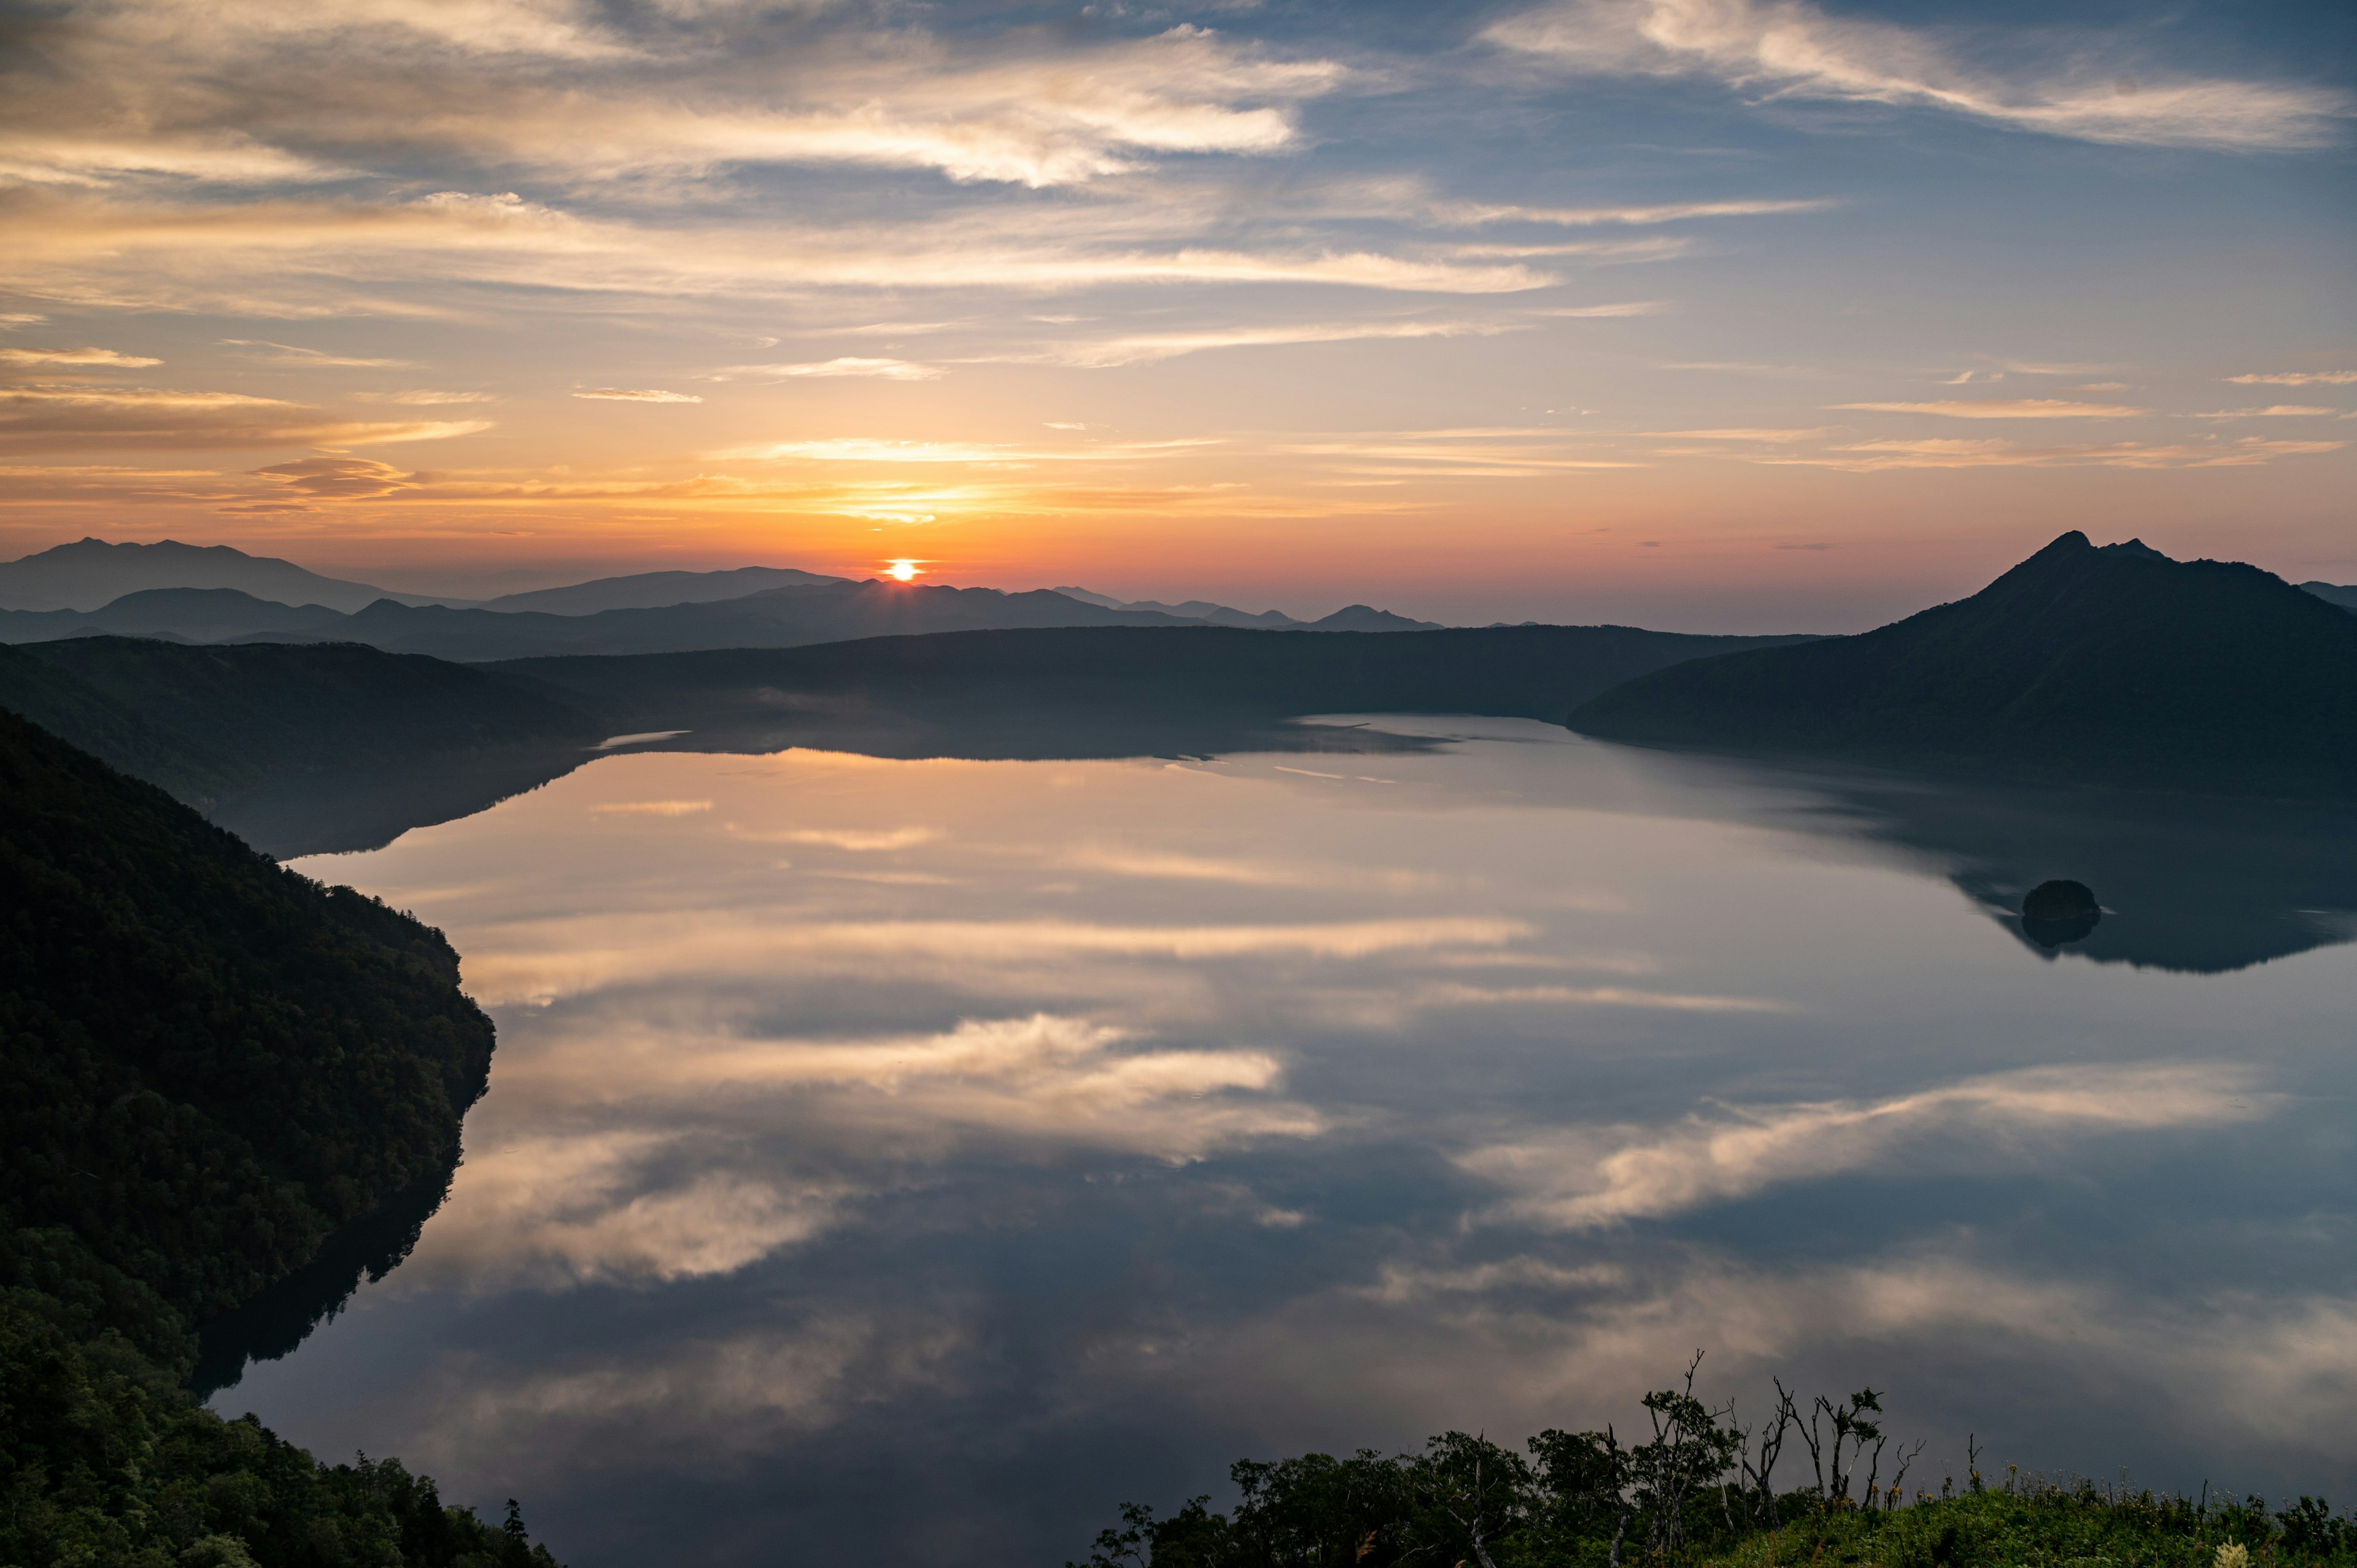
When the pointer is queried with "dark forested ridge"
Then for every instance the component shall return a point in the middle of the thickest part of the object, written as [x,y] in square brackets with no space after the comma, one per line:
[967,692]
[211,1064]
[233,716]
[302,749]
[2082,663]
[309,748]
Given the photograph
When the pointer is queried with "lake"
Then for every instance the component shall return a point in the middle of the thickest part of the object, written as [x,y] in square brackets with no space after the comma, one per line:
[906,1161]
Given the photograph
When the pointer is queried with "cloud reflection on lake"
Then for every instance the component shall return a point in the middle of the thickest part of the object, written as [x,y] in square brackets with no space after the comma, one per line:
[912,1159]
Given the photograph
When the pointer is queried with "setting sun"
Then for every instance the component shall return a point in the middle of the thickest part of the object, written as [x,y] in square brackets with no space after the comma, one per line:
[902,571]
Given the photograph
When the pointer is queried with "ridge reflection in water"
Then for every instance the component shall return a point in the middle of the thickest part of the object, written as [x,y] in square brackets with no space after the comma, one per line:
[908,1160]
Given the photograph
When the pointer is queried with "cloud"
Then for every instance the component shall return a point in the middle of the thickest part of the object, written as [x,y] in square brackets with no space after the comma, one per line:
[1147,347]
[601,105]
[2004,408]
[2275,410]
[647,394]
[80,418]
[2297,379]
[1495,452]
[1436,996]
[292,358]
[60,154]
[652,808]
[867,449]
[887,369]
[1581,217]
[857,840]
[339,479]
[561,957]
[1586,1177]
[1166,865]
[1774,436]
[426,398]
[304,256]
[1875,456]
[88,356]
[1789,48]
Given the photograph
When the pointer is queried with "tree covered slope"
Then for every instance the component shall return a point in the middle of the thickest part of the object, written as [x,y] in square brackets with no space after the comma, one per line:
[209,724]
[2115,664]
[211,1063]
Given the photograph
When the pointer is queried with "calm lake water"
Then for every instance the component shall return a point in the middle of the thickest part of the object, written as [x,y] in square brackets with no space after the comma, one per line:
[906,1162]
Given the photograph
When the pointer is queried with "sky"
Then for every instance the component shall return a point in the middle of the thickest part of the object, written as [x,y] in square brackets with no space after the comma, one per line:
[1708,315]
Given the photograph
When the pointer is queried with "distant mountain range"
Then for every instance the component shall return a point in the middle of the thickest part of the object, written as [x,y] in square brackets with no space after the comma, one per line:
[1352,617]
[182,592]
[2115,664]
[652,590]
[90,573]
[2344,595]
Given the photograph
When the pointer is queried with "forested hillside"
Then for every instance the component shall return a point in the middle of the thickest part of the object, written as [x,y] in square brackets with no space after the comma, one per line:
[207,723]
[2115,664]
[212,1062]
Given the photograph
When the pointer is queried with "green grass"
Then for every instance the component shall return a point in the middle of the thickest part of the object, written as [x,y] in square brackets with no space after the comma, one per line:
[2035,1524]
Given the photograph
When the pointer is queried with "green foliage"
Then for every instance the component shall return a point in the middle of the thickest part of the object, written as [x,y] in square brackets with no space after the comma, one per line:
[1699,1494]
[103,1459]
[212,1062]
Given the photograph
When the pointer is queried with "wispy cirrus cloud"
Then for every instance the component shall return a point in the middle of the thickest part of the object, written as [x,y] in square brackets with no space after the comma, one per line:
[1774,437]
[867,449]
[288,356]
[78,359]
[844,365]
[1790,49]
[2297,379]
[2273,411]
[305,256]
[85,418]
[548,89]
[2002,408]
[1875,456]
[1147,347]
[635,394]
[1586,217]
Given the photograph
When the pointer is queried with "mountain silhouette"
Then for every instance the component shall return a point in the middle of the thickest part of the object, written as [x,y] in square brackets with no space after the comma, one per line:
[2080,664]
[91,572]
[2342,593]
[652,590]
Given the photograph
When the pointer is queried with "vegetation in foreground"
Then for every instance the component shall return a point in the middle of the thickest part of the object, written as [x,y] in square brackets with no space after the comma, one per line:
[211,1063]
[1697,1490]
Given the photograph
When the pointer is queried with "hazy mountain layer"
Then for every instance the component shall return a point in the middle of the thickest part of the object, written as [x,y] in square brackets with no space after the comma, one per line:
[2342,593]
[1351,618]
[777,617]
[91,572]
[2115,664]
[651,590]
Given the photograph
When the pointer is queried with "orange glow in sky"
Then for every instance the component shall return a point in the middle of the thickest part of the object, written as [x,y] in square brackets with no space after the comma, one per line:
[1566,310]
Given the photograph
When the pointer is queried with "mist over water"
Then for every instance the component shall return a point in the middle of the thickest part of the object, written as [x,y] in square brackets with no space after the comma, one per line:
[906,1160]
